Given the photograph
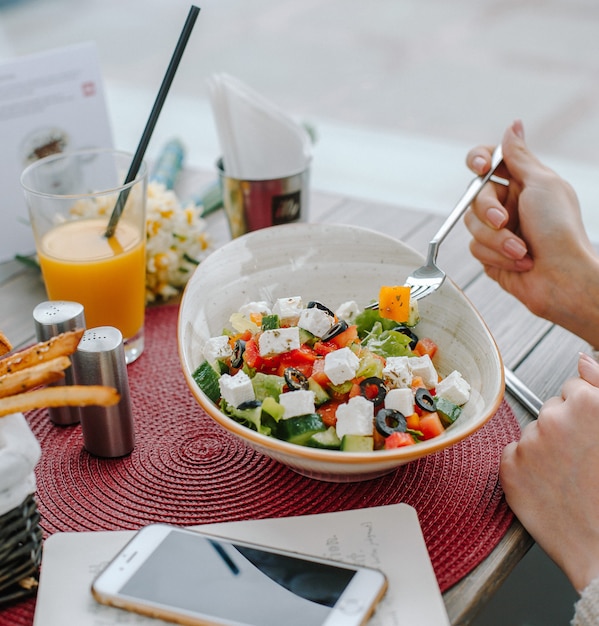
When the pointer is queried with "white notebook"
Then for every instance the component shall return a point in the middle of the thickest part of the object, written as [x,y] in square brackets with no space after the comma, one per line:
[387,537]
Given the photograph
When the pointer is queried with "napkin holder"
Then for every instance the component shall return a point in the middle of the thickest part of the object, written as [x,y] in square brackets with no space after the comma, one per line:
[20,533]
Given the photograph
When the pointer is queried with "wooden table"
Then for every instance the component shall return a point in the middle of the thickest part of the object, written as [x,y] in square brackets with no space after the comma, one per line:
[541,354]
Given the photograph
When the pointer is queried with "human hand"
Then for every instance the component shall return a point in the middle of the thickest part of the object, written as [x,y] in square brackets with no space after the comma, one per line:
[530,238]
[550,476]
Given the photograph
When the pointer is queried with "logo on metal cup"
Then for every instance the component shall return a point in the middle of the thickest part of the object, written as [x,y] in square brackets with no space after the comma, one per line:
[286,208]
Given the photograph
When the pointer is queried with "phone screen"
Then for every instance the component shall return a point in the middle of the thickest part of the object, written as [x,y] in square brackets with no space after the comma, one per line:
[233,582]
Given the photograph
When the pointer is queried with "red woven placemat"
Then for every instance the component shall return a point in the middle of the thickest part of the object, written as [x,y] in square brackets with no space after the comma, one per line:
[185,469]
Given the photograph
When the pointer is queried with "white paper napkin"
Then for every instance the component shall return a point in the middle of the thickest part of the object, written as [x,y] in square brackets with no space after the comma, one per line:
[258,140]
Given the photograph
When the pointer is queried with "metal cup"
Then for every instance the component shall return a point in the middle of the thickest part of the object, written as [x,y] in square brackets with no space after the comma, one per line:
[254,204]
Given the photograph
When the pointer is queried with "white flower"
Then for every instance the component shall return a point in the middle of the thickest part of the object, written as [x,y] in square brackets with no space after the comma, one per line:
[176,242]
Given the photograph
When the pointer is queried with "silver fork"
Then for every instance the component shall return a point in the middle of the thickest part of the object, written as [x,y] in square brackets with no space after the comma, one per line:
[428,278]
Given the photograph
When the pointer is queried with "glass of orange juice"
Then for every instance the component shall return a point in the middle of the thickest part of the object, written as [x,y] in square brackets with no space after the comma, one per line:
[70,197]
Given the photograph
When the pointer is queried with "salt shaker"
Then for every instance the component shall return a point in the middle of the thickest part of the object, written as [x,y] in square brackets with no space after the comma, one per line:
[53,318]
[100,360]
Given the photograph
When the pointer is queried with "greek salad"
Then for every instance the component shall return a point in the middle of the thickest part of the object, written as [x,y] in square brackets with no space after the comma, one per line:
[351,379]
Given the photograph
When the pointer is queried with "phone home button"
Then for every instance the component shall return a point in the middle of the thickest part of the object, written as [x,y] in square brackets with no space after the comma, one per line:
[351,606]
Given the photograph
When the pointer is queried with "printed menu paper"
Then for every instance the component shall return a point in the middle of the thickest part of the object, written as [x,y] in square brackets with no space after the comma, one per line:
[387,537]
[49,102]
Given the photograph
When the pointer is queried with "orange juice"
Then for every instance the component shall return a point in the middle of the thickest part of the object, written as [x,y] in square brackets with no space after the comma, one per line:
[107,276]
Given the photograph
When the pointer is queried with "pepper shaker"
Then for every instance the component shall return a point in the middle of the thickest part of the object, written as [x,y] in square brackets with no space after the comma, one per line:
[100,360]
[53,318]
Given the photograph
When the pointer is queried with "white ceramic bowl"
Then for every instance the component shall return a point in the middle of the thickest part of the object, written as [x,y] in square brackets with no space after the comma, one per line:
[333,264]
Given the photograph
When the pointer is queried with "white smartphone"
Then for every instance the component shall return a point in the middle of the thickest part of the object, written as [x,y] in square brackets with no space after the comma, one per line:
[183,576]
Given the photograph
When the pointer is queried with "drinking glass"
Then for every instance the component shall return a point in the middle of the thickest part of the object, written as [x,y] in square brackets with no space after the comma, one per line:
[70,198]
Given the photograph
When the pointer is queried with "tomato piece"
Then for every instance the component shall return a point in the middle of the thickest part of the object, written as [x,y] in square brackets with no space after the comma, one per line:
[322,348]
[303,354]
[430,425]
[251,355]
[425,346]
[346,338]
[318,373]
[398,440]
[304,368]
[328,412]
[355,390]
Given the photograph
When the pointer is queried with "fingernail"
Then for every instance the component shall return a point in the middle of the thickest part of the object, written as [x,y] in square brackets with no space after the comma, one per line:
[588,358]
[479,164]
[518,128]
[514,248]
[496,217]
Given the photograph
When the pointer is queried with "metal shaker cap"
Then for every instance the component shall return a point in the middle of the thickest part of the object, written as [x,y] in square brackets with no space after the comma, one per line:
[52,318]
[57,316]
[100,360]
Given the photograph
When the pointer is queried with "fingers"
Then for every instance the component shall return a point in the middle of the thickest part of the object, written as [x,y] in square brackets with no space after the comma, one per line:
[479,159]
[501,248]
[516,156]
[588,369]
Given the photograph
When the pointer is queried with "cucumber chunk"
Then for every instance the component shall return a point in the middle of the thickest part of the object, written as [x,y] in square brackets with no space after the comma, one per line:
[270,322]
[248,413]
[207,380]
[447,410]
[357,443]
[326,439]
[299,429]
[273,408]
[320,395]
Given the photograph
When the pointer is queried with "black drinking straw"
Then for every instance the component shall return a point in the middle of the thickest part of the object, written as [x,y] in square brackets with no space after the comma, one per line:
[149,129]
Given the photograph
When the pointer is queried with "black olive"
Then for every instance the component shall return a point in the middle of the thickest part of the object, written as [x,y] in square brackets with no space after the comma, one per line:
[334,330]
[366,389]
[389,421]
[424,400]
[237,356]
[314,304]
[295,379]
[408,332]
[249,404]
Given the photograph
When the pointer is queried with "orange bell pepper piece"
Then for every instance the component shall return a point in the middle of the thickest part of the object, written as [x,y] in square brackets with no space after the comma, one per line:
[394,303]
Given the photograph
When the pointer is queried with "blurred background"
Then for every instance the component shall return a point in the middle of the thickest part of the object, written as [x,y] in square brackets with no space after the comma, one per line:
[396,90]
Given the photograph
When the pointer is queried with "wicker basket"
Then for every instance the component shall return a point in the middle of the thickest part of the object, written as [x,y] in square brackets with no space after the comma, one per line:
[20,551]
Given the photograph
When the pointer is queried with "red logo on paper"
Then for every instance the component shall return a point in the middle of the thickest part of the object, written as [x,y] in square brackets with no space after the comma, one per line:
[88,88]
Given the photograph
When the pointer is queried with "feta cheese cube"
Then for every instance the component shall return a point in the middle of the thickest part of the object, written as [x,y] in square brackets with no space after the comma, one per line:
[396,372]
[298,402]
[315,321]
[454,388]
[341,365]
[288,309]
[217,348]
[348,310]
[423,366]
[236,389]
[355,417]
[278,340]
[401,400]
[260,308]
